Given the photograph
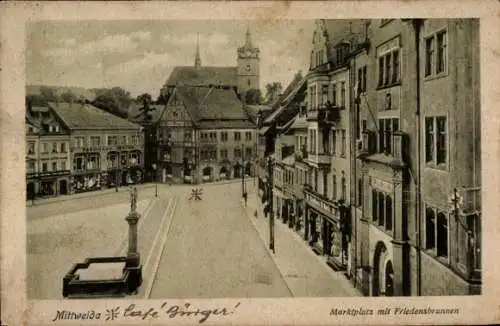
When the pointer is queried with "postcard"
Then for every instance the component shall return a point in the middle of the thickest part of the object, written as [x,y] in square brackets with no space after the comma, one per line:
[249,162]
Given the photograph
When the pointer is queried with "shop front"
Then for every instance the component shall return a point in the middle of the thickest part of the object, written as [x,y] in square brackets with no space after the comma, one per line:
[328,230]
[53,183]
[300,217]
[89,181]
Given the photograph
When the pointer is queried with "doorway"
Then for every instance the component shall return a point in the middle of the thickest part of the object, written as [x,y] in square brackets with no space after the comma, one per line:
[63,187]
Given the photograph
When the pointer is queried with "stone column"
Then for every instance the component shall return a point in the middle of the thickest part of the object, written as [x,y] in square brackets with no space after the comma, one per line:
[133,257]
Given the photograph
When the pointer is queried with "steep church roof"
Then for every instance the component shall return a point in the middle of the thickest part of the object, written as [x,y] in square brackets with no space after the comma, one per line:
[203,76]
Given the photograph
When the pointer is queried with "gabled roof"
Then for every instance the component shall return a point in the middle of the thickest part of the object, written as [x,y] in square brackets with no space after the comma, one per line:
[203,76]
[211,107]
[87,116]
[253,112]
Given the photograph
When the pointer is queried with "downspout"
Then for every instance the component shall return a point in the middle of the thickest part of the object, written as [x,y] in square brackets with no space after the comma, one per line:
[417,23]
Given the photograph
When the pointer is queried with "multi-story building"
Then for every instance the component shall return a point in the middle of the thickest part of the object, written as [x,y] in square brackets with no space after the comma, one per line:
[48,138]
[205,135]
[106,151]
[328,118]
[417,226]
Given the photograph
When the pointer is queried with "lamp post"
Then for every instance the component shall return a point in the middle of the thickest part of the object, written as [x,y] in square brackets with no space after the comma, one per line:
[270,166]
[243,172]
[156,180]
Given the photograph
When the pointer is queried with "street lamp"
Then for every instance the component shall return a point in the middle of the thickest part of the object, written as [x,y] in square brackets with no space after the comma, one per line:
[270,166]
[156,180]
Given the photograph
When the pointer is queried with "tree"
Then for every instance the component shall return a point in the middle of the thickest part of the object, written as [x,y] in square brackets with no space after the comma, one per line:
[145,110]
[253,97]
[48,94]
[273,91]
[115,101]
[68,97]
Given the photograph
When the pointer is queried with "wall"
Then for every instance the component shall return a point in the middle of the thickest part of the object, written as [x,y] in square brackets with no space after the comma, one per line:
[438,279]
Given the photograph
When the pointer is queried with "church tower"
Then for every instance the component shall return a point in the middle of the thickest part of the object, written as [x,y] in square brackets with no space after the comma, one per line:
[248,65]
[197,59]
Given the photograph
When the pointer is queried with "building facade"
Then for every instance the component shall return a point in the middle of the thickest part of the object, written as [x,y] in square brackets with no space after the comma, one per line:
[48,154]
[105,151]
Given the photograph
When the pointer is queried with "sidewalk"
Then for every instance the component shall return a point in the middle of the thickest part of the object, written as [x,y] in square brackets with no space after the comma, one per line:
[306,274]
[107,191]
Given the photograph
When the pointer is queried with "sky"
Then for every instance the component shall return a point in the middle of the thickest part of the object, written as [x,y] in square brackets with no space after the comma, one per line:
[139,55]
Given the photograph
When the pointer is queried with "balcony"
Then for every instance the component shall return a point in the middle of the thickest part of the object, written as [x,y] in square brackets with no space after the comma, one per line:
[320,202]
[318,159]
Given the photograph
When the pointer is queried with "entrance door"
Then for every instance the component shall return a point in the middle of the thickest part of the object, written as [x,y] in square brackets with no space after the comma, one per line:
[63,187]
[30,190]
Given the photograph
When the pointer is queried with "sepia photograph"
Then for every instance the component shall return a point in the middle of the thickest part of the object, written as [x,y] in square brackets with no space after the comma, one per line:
[252,158]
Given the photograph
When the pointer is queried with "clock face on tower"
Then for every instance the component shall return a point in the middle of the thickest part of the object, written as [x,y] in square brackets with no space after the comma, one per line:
[248,68]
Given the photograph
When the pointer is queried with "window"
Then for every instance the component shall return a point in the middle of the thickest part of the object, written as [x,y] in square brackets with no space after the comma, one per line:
[435,140]
[374,205]
[248,136]
[334,186]
[360,192]
[436,232]
[441,140]
[95,141]
[381,208]
[386,128]
[237,152]
[429,56]
[135,140]
[93,162]
[324,94]
[325,184]
[54,166]
[334,142]
[436,54]
[343,142]
[237,136]
[342,94]
[45,148]
[388,213]
[187,136]
[54,147]
[441,54]
[223,136]
[362,79]
[388,68]
[334,94]
[248,152]
[442,235]
[223,153]
[395,66]
[31,167]
[44,167]
[63,147]
[112,140]
[31,148]
[344,188]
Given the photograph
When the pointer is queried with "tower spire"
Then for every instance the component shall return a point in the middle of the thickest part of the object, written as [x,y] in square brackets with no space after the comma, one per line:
[197,60]
[248,42]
